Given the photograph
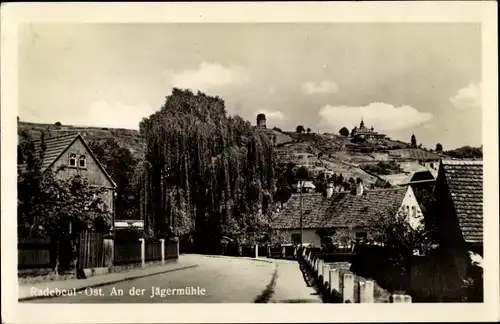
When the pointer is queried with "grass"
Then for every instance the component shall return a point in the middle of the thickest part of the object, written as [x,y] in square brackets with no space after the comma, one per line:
[266,295]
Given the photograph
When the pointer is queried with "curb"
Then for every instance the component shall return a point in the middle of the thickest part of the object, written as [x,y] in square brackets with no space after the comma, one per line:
[238,258]
[100,284]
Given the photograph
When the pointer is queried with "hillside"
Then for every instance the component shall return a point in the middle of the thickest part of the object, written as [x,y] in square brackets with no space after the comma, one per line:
[329,153]
[128,138]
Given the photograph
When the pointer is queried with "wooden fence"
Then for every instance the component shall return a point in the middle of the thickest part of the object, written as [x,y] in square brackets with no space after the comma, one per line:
[33,253]
[91,250]
[153,251]
[127,253]
[171,250]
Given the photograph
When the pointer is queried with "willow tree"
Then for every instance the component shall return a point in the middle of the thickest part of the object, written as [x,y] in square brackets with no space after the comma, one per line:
[202,170]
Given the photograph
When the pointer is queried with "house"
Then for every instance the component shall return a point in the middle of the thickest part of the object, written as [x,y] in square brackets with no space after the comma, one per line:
[73,153]
[458,220]
[343,210]
[365,133]
[307,186]
[459,196]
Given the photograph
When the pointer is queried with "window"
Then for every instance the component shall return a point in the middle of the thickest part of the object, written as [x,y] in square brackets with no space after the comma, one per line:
[72,160]
[296,238]
[413,211]
[361,236]
[81,162]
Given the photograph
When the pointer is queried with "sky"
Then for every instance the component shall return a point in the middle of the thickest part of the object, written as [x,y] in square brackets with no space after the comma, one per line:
[400,78]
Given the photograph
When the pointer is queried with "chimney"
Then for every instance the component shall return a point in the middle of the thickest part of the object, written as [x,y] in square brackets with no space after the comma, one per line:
[329,190]
[359,188]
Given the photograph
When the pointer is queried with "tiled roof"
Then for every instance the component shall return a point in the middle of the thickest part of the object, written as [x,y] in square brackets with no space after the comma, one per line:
[343,209]
[465,184]
[55,146]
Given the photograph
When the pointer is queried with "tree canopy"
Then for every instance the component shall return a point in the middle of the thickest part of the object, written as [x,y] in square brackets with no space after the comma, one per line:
[344,131]
[204,173]
[413,141]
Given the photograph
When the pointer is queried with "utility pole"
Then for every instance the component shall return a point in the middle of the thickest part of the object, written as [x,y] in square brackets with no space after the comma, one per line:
[301,229]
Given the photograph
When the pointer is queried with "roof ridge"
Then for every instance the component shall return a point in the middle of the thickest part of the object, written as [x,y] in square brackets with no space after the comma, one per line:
[462,162]
[57,137]
[401,187]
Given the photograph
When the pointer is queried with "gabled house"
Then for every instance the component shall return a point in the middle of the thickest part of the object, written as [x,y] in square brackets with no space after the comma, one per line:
[459,197]
[73,153]
[343,210]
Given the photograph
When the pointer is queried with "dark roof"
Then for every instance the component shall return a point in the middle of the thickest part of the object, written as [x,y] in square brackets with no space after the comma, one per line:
[465,184]
[343,209]
[55,147]
[422,176]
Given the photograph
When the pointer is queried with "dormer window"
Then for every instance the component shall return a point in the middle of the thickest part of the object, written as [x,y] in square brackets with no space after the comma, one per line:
[82,163]
[72,160]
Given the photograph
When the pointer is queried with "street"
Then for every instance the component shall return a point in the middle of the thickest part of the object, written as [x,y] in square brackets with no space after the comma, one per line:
[214,280]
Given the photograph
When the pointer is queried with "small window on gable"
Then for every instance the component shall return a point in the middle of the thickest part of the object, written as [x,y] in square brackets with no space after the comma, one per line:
[413,211]
[72,160]
[82,163]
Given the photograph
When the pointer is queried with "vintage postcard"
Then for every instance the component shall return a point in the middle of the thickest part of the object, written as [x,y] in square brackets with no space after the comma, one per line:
[187,162]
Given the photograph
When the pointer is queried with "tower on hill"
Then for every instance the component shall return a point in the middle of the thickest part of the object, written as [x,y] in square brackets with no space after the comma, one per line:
[261,120]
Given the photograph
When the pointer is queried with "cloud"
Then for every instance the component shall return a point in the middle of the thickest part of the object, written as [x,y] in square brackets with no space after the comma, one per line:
[383,117]
[469,97]
[207,76]
[273,115]
[323,87]
[116,115]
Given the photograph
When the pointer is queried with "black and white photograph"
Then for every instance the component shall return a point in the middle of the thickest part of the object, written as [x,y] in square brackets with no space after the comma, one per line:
[254,161]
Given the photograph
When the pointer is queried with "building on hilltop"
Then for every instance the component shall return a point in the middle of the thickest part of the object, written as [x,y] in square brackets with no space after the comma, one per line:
[261,121]
[364,133]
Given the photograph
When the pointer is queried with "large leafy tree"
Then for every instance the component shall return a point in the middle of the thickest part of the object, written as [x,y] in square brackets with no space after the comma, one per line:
[344,131]
[413,141]
[203,172]
[120,165]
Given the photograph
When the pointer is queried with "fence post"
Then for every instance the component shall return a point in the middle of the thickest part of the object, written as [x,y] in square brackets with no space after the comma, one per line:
[256,251]
[348,288]
[108,244]
[326,273]
[283,251]
[177,249]
[143,252]
[162,241]
[366,291]
[334,280]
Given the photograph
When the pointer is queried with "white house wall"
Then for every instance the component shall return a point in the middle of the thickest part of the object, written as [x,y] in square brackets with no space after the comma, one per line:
[309,236]
[409,204]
